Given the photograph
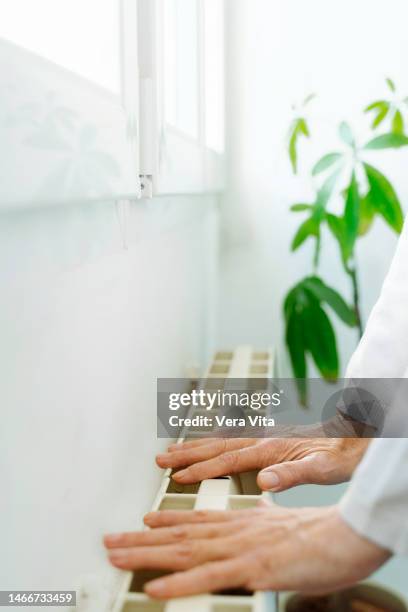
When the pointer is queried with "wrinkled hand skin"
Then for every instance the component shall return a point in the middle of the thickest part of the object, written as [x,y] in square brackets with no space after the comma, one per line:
[285,462]
[310,550]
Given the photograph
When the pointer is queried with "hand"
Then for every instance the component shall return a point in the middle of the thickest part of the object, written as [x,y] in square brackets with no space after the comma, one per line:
[285,462]
[311,550]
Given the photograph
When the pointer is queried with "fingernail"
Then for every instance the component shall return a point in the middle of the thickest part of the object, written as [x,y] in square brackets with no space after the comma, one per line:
[269,480]
[180,476]
[112,538]
[156,587]
[162,459]
[117,554]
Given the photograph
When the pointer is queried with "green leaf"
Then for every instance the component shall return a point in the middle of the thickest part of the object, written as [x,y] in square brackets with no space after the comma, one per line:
[326,162]
[297,354]
[378,104]
[332,298]
[387,141]
[381,108]
[390,84]
[310,332]
[337,227]
[310,227]
[288,304]
[381,115]
[294,341]
[293,150]
[301,207]
[320,340]
[367,214]
[398,123]
[295,301]
[383,199]
[351,216]
[298,127]
[326,190]
[303,127]
[346,134]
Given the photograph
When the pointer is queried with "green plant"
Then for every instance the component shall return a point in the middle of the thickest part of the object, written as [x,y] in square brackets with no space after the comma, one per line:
[298,128]
[365,193]
[392,109]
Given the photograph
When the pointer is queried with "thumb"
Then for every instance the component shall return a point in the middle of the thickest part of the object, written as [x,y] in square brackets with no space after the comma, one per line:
[285,475]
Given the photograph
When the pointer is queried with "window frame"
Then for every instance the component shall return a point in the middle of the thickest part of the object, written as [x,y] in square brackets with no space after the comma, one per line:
[147,152]
[175,161]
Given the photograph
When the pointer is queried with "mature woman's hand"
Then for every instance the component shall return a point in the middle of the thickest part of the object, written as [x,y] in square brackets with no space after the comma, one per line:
[285,462]
[265,548]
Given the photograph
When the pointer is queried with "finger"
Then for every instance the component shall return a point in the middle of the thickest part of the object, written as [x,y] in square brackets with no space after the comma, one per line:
[169,535]
[175,557]
[186,457]
[231,462]
[265,503]
[289,474]
[194,443]
[190,444]
[168,518]
[203,579]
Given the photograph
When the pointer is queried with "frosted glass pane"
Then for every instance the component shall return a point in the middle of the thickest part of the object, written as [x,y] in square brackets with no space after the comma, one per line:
[214,74]
[81,35]
[180,56]
[170,63]
[62,138]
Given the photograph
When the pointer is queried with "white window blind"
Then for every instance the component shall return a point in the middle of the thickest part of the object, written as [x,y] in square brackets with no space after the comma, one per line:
[68,108]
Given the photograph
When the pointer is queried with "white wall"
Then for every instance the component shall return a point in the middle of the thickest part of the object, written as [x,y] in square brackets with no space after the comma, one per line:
[279,51]
[96,303]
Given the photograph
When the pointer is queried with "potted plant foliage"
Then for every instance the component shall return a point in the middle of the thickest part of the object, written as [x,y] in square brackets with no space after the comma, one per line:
[366,193]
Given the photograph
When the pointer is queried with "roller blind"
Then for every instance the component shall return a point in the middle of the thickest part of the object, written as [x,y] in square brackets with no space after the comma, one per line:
[68,102]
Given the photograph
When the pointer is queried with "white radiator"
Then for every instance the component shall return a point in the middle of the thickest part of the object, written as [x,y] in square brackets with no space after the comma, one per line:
[232,493]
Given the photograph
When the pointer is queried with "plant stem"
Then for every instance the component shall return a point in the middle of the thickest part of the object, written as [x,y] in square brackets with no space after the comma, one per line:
[352,272]
[316,257]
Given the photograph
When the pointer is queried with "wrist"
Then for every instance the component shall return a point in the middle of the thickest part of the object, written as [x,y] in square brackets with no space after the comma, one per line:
[363,554]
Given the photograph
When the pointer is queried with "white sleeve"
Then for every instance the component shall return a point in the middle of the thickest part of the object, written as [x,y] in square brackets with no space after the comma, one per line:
[383,350]
[376,502]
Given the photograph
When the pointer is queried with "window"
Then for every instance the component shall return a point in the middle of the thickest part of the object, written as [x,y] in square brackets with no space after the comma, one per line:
[193,65]
[69,81]
[214,74]
[181,65]
[103,91]
[81,36]
[188,71]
